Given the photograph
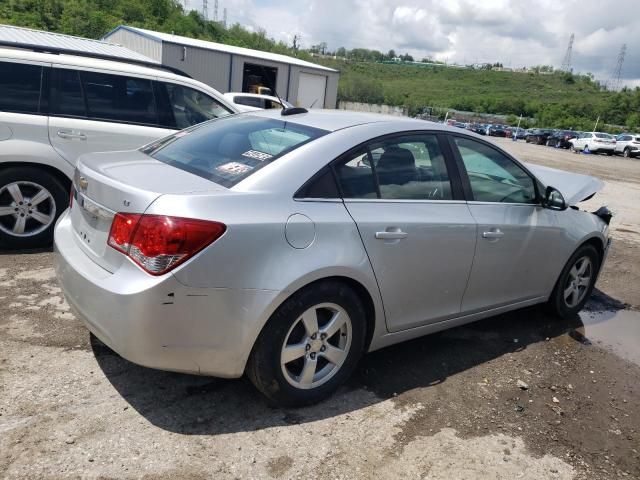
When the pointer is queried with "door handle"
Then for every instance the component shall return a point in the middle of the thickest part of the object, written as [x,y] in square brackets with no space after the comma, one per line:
[71,135]
[391,235]
[497,233]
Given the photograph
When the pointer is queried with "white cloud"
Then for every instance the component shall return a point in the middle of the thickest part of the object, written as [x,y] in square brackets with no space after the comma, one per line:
[510,31]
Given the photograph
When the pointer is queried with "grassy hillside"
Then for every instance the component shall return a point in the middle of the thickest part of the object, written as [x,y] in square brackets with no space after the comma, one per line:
[558,100]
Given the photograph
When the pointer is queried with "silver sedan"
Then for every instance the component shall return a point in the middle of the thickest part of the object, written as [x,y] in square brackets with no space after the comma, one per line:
[286,246]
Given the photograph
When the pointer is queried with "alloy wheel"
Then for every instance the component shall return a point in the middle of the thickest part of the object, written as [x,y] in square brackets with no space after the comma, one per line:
[26,209]
[578,281]
[316,346]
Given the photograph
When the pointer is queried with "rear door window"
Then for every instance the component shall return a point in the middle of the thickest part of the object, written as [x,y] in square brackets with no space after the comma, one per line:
[20,87]
[119,98]
[66,94]
[230,149]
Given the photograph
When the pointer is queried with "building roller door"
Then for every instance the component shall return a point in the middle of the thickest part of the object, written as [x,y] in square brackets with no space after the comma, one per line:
[311,90]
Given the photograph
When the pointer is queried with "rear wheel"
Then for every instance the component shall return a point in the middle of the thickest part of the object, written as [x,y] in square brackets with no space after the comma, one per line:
[31,201]
[576,282]
[310,345]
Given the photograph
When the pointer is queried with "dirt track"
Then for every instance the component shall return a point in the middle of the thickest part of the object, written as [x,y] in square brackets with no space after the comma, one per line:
[441,407]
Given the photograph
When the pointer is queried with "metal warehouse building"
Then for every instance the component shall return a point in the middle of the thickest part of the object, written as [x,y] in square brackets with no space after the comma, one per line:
[235,69]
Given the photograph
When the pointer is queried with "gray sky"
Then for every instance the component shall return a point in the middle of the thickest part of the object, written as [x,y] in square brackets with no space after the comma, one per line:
[514,32]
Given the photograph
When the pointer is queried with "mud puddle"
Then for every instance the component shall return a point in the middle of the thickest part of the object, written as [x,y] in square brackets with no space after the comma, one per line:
[615,330]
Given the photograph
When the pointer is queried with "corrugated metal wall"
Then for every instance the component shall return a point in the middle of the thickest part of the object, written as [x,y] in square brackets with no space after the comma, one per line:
[207,66]
[144,45]
[223,71]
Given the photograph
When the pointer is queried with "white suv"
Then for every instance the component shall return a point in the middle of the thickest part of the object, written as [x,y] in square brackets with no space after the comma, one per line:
[628,144]
[594,142]
[54,108]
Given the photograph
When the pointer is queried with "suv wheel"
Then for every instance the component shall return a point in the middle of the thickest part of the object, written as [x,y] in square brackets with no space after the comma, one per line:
[626,152]
[310,345]
[576,282]
[31,201]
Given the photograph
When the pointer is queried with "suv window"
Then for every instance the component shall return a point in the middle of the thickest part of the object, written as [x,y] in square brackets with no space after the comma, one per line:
[230,149]
[400,168]
[120,98]
[66,93]
[20,87]
[184,107]
[249,101]
[493,176]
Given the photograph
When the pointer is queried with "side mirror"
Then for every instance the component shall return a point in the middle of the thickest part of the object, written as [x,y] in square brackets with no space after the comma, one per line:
[553,199]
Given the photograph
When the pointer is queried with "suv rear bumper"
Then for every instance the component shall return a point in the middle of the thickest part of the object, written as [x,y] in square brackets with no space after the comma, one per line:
[158,322]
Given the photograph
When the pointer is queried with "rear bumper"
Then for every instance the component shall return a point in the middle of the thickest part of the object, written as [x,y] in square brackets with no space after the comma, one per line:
[158,322]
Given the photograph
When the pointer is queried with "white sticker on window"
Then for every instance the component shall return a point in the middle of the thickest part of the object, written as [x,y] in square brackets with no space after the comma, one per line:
[233,168]
[257,155]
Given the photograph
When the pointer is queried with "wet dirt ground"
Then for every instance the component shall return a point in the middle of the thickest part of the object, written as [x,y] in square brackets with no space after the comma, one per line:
[517,396]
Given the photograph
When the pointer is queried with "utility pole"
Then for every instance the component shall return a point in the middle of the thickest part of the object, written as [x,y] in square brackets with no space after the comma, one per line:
[566,63]
[596,125]
[215,11]
[615,82]
[224,17]
[205,9]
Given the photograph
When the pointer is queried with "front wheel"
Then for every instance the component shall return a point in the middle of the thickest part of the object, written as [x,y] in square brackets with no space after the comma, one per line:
[576,282]
[31,201]
[309,346]
[626,153]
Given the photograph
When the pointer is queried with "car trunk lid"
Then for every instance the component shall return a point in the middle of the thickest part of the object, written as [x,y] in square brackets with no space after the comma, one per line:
[108,183]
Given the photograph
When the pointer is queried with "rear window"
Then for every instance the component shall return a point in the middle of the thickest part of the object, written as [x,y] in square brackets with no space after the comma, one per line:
[604,135]
[230,149]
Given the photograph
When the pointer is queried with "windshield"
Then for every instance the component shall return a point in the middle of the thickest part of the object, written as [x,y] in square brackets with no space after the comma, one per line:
[230,149]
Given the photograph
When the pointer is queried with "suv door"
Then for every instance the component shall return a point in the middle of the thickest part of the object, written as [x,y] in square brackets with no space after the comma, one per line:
[406,200]
[519,244]
[96,112]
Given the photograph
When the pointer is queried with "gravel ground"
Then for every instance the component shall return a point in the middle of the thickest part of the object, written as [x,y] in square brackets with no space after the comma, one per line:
[520,395]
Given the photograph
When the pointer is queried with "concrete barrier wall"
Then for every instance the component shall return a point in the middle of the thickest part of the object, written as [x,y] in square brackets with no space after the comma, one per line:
[374,108]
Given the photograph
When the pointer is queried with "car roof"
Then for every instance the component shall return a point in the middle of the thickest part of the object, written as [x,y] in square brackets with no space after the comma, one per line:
[87,62]
[333,120]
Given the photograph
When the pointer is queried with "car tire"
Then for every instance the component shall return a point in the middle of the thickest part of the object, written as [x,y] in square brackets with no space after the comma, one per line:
[626,153]
[287,379]
[30,225]
[558,144]
[570,293]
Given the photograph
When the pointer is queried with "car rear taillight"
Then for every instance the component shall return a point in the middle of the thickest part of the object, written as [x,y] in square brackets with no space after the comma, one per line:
[159,243]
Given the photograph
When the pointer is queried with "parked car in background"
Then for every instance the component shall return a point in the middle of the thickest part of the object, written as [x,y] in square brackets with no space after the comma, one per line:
[538,136]
[270,244]
[54,108]
[479,128]
[594,142]
[254,101]
[628,144]
[560,138]
[516,132]
[496,131]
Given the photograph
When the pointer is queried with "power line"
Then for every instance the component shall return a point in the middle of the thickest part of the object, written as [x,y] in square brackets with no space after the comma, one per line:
[615,82]
[566,63]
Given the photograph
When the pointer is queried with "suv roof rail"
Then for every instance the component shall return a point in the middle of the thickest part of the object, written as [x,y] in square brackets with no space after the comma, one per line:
[56,43]
[99,56]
